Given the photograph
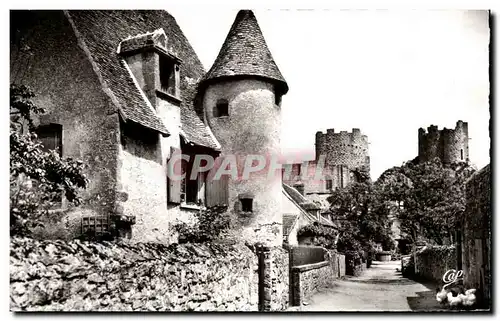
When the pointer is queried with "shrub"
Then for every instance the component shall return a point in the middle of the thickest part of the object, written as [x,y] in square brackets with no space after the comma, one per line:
[322,235]
[210,224]
[408,266]
[38,179]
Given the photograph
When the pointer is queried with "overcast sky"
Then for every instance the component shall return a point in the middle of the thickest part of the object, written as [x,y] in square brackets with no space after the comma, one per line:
[385,72]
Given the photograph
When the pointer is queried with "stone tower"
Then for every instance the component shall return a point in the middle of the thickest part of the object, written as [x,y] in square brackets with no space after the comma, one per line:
[241,101]
[344,148]
[449,145]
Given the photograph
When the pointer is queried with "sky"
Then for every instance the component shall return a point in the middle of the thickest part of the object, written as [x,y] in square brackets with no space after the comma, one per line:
[387,72]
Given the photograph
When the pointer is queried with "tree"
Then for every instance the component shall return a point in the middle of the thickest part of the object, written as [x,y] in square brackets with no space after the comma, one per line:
[428,197]
[362,216]
[38,179]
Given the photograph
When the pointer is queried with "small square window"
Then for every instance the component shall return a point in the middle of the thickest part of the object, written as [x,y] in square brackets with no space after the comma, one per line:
[221,108]
[246,204]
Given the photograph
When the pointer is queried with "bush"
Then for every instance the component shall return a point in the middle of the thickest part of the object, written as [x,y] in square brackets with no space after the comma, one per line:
[38,179]
[395,256]
[210,224]
[322,235]
[408,266]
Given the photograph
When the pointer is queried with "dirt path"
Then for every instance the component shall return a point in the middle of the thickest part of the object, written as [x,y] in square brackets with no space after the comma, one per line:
[379,288]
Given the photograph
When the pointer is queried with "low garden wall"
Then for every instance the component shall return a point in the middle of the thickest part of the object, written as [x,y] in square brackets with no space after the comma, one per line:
[337,263]
[87,276]
[302,254]
[308,279]
[279,279]
[433,261]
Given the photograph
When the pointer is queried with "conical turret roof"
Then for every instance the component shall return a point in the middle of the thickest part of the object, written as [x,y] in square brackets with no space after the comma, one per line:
[245,53]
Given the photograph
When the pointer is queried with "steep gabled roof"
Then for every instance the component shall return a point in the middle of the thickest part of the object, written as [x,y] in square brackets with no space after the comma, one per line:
[245,53]
[289,220]
[102,31]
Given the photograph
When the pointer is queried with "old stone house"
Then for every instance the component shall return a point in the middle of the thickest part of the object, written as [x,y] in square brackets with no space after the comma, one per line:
[475,244]
[298,211]
[125,92]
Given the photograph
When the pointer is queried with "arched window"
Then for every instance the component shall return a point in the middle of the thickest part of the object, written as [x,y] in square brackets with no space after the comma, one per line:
[221,108]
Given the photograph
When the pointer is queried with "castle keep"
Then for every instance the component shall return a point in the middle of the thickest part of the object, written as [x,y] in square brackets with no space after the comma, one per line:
[449,145]
[344,148]
[338,155]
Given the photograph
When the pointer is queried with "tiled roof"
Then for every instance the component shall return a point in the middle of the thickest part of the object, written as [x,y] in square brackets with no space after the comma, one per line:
[294,194]
[103,30]
[288,222]
[194,129]
[245,53]
[305,205]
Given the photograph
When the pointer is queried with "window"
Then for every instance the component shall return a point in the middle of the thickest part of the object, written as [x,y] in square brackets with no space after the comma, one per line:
[221,108]
[462,154]
[193,189]
[51,137]
[246,204]
[341,177]
[203,190]
[329,184]
[95,225]
[167,76]
[298,168]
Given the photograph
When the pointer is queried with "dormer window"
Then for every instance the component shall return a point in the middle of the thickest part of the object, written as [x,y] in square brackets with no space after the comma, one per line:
[168,70]
[221,108]
[155,66]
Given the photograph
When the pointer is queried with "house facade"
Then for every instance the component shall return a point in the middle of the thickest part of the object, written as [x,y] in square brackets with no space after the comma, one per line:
[126,93]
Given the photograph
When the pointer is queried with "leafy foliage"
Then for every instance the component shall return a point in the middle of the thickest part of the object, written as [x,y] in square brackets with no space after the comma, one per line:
[428,198]
[324,236]
[38,179]
[210,224]
[362,217]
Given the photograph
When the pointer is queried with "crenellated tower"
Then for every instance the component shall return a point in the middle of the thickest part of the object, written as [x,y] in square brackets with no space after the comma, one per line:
[344,148]
[449,145]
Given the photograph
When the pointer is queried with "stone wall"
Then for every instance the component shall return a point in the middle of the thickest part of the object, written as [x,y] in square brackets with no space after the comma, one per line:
[85,276]
[432,262]
[476,246]
[308,279]
[337,263]
[301,255]
[279,279]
